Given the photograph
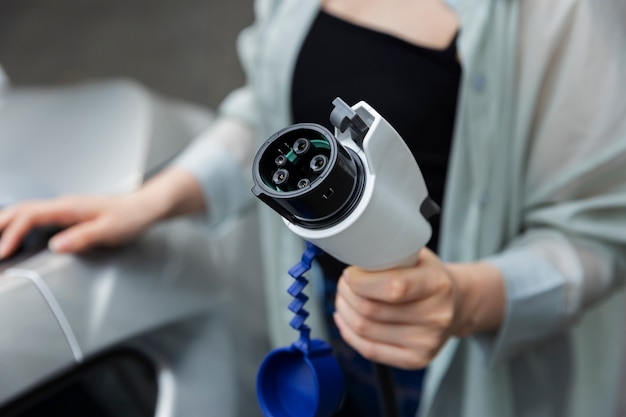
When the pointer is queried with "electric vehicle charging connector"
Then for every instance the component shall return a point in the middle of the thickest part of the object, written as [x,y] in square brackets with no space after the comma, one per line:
[354,194]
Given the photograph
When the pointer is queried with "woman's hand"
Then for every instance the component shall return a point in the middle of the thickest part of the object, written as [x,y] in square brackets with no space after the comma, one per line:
[102,221]
[402,317]
[89,221]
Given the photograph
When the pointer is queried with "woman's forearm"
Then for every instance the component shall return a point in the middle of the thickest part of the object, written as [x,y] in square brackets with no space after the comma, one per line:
[171,193]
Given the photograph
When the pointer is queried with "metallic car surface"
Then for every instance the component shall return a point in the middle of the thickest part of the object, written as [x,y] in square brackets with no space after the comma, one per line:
[184,296]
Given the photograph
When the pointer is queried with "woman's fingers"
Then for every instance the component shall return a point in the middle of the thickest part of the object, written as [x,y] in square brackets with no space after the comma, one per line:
[428,312]
[116,221]
[5,216]
[16,222]
[80,237]
[398,285]
[84,212]
[409,331]
[74,239]
[400,316]
[398,356]
[374,309]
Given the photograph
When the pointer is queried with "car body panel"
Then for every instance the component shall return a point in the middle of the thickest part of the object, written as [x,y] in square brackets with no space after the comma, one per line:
[32,343]
[172,294]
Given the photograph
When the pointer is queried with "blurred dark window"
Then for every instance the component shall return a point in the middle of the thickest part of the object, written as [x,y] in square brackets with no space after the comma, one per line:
[120,384]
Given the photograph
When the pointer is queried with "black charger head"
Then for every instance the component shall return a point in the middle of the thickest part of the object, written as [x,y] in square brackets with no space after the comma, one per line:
[307,176]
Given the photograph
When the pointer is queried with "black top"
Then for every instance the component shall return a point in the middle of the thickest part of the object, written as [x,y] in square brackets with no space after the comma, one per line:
[415,89]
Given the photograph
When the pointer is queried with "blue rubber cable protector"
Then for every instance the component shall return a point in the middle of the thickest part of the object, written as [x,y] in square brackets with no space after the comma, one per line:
[304,379]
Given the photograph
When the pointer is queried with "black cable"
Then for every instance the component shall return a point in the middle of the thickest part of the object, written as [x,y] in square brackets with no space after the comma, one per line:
[386,391]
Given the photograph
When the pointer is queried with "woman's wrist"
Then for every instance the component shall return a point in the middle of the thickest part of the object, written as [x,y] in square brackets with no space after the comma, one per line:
[481,298]
[174,192]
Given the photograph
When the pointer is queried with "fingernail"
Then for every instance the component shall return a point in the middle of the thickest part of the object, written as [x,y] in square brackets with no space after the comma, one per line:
[59,243]
[337,319]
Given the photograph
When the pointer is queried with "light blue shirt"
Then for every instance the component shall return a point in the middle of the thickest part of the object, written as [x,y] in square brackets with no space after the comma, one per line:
[537,187]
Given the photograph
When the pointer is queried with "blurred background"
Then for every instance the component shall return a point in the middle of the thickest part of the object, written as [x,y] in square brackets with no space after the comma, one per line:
[182,48]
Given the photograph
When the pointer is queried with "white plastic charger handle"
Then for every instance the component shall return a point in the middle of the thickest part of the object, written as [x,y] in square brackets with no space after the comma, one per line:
[389,225]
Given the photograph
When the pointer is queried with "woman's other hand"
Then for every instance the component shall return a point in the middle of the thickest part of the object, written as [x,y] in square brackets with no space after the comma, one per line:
[403,316]
[90,221]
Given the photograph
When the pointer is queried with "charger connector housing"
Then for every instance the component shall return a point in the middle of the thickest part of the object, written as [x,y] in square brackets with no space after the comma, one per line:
[307,176]
[357,193]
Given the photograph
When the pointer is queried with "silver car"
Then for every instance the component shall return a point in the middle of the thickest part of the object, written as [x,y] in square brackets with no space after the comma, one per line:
[170,325]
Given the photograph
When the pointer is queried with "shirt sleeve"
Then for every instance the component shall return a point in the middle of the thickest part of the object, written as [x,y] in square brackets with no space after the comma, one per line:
[571,251]
[219,160]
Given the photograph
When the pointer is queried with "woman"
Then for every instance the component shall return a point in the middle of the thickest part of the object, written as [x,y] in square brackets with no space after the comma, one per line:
[534,209]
